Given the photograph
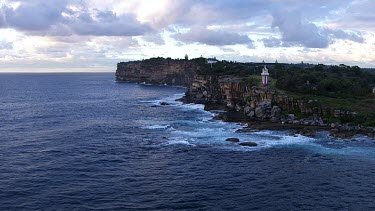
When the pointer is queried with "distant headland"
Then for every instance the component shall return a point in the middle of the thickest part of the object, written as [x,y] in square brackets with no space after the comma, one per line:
[303,97]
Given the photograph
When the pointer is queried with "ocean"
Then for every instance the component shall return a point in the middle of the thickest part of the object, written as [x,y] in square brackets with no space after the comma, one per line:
[81,141]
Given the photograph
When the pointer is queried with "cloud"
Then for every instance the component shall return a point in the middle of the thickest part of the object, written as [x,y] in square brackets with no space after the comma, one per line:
[271,42]
[57,18]
[107,24]
[340,34]
[120,43]
[358,14]
[154,38]
[298,32]
[295,32]
[206,36]
[96,30]
[4,45]
[32,15]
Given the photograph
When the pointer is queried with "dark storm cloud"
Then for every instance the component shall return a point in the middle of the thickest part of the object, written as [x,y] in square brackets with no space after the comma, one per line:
[211,37]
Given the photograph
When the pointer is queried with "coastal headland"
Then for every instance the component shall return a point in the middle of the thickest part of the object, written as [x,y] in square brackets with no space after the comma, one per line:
[303,98]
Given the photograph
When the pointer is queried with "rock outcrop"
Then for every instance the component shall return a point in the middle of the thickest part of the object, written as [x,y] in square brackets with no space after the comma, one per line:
[242,101]
[158,71]
[254,102]
[233,140]
[248,144]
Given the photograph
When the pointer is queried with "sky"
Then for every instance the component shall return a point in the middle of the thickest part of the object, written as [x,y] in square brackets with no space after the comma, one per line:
[94,35]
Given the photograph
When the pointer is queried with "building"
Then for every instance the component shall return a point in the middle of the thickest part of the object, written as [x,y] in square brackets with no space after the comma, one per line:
[212,61]
[265,76]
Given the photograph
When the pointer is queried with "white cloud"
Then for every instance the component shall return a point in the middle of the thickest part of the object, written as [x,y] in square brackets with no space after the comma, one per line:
[198,34]
[99,33]
[298,32]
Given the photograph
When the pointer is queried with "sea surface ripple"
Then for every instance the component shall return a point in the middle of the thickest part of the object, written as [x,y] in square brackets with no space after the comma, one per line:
[81,141]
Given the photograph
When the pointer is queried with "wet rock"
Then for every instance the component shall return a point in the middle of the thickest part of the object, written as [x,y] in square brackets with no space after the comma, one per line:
[276,112]
[247,109]
[306,132]
[291,117]
[164,103]
[238,107]
[231,116]
[233,140]
[293,133]
[296,122]
[259,112]
[251,114]
[230,105]
[248,144]
[199,96]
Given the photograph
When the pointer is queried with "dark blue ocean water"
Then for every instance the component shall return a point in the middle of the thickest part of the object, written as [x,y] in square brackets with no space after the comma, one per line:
[85,142]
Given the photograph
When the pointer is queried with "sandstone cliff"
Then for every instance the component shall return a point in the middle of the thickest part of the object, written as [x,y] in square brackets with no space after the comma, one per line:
[232,92]
[258,103]
[158,71]
[253,101]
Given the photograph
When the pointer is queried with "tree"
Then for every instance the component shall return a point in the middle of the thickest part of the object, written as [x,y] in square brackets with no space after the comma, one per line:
[186,57]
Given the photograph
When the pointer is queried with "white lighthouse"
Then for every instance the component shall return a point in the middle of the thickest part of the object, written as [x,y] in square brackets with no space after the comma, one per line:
[265,75]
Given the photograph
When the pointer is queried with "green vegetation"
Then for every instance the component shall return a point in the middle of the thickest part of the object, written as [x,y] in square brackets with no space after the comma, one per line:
[333,81]
[223,68]
[252,80]
[337,87]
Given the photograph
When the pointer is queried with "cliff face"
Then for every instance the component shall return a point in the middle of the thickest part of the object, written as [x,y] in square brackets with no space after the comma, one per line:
[252,101]
[158,71]
[233,93]
[229,91]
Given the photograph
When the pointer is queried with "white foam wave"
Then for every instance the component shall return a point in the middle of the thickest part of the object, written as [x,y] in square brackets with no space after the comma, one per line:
[206,131]
[170,100]
[179,141]
[285,140]
[156,127]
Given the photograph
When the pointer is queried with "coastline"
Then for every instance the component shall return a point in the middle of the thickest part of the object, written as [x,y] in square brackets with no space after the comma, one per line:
[243,98]
[337,131]
[226,114]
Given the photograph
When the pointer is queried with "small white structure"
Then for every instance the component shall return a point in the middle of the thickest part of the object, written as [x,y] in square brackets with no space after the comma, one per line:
[265,76]
[212,61]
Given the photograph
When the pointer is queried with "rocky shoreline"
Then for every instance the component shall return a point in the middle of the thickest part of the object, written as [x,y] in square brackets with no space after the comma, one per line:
[267,109]
[275,121]
[260,107]
[308,128]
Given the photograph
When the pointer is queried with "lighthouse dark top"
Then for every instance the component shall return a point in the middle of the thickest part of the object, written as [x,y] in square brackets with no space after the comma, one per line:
[265,76]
